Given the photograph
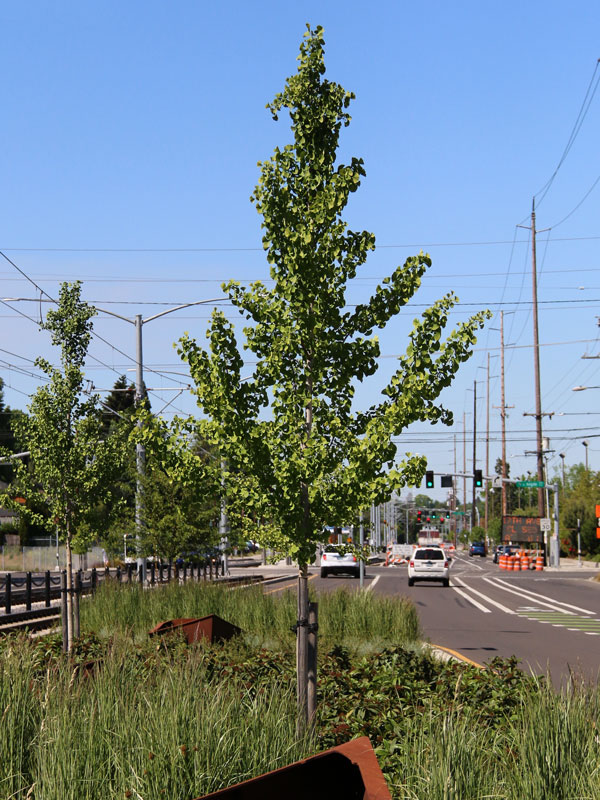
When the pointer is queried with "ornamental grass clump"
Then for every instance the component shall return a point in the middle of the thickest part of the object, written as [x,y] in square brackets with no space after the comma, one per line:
[360,619]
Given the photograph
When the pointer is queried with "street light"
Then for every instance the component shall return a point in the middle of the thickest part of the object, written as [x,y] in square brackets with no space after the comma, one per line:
[583,388]
[140,452]
[562,458]
[585,443]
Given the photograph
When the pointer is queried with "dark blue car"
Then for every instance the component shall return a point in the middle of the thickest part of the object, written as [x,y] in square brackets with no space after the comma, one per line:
[478,549]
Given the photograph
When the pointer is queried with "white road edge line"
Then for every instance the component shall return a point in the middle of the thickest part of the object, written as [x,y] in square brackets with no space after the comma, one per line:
[498,581]
[471,600]
[488,599]
[372,584]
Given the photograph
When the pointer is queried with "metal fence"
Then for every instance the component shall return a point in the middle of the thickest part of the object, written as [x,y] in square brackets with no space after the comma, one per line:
[41,558]
[23,590]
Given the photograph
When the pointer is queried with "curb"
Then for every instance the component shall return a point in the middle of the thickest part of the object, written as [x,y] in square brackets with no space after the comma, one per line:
[447,654]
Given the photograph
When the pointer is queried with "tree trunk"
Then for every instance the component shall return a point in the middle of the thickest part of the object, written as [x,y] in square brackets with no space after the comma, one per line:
[302,652]
[69,591]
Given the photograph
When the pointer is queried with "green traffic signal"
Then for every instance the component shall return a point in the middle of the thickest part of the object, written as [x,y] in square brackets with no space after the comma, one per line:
[478,478]
[429,482]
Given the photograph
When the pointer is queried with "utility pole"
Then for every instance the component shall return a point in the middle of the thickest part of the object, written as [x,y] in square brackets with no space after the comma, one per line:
[464,464]
[487,445]
[536,362]
[474,438]
[503,415]
[503,408]
[453,503]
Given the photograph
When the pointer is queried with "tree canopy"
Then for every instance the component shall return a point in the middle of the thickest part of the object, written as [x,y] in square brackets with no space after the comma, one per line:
[292,427]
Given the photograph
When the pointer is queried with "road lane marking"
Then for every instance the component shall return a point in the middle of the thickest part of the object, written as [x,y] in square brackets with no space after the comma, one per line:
[471,600]
[372,584]
[488,599]
[536,595]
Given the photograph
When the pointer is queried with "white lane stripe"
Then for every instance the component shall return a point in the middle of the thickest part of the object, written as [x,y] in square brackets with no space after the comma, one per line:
[488,599]
[471,600]
[536,595]
[372,584]
[468,563]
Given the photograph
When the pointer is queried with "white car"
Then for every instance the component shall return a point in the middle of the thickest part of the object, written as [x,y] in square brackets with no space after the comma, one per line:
[429,564]
[334,561]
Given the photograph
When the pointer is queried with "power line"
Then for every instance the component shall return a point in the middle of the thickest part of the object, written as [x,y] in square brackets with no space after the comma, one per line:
[261,249]
[580,203]
[372,279]
[585,106]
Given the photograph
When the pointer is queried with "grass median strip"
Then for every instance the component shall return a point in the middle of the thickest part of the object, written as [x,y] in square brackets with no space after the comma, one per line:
[133,717]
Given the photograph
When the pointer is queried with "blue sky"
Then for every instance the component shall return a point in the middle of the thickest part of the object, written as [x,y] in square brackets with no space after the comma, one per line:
[129,143]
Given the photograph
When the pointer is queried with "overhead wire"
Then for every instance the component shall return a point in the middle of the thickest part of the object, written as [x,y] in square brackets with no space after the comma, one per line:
[583,111]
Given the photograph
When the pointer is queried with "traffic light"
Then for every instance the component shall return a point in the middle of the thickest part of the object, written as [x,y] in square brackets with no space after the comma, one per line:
[433,515]
[429,482]
[428,519]
[442,519]
[419,514]
[478,478]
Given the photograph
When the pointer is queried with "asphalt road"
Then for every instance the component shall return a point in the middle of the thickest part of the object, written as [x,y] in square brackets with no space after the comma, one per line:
[550,620]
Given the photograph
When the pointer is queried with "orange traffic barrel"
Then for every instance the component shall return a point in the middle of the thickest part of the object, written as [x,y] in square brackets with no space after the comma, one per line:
[539,563]
[502,561]
[517,562]
[510,563]
[525,560]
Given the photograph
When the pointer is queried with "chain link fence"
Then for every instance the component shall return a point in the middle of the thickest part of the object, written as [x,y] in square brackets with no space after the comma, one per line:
[39,558]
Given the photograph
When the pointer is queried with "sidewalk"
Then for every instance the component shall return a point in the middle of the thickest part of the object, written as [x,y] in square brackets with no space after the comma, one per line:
[572,565]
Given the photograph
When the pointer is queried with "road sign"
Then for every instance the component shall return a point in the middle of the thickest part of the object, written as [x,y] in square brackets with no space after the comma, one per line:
[545,524]
[521,529]
[497,482]
[531,484]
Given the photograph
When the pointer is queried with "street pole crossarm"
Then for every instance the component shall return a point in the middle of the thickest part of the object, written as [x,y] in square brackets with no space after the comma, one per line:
[183,305]
[114,314]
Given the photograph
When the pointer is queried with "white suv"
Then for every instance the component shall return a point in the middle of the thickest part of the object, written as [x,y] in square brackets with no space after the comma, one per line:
[334,561]
[429,564]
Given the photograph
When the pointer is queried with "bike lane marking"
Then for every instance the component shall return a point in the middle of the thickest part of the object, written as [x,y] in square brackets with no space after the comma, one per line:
[561,619]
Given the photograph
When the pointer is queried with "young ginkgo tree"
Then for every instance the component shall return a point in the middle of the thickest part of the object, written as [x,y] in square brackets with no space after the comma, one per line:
[72,465]
[293,426]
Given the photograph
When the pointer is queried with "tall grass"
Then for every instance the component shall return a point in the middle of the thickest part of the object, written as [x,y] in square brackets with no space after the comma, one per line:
[549,752]
[344,617]
[157,719]
[137,728]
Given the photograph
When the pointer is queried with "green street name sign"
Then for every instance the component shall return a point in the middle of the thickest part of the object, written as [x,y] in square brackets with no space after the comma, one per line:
[531,484]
